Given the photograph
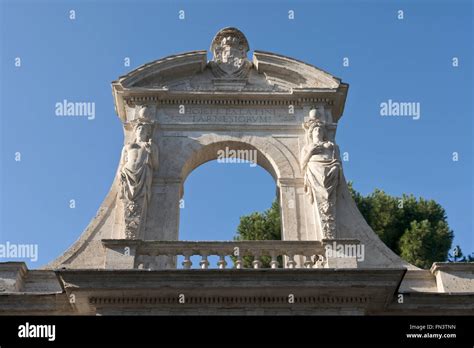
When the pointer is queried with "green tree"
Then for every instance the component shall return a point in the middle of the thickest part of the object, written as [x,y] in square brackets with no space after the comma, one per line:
[424,243]
[260,226]
[415,229]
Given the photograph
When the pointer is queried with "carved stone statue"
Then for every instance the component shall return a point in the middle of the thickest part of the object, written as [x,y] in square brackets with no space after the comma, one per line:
[321,167]
[230,48]
[138,162]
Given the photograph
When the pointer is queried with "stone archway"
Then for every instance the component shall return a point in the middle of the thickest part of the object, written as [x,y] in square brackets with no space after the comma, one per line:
[177,112]
[192,152]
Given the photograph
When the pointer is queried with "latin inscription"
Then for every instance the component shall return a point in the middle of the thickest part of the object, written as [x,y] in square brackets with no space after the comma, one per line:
[225,115]
[214,115]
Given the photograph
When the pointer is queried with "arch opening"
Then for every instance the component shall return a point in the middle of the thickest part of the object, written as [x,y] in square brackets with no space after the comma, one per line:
[226,150]
[218,194]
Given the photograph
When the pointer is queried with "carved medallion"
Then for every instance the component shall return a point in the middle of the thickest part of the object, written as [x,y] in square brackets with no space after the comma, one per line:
[230,48]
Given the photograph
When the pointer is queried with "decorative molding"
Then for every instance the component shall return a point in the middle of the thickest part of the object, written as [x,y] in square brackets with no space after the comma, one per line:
[228,300]
[132,100]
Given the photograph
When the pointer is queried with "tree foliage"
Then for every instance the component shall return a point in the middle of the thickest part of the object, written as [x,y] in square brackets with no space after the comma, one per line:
[415,229]
[260,226]
[424,243]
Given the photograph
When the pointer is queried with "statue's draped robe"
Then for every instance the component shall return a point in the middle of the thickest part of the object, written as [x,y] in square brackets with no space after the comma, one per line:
[136,192]
[321,178]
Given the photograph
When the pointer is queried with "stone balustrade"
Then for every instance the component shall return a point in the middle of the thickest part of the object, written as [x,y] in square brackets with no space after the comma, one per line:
[163,254]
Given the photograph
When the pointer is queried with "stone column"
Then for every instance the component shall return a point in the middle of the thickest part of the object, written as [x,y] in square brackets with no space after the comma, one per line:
[292,209]
[292,213]
[163,216]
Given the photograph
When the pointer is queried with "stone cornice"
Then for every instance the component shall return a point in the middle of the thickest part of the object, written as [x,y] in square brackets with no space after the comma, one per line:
[163,98]
[452,267]
[211,98]
[367,289]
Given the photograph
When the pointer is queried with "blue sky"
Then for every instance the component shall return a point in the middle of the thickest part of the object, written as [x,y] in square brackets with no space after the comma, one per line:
[75,158]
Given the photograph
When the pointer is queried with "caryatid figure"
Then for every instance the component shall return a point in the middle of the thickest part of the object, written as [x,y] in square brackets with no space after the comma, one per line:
[322,169]
[138,162]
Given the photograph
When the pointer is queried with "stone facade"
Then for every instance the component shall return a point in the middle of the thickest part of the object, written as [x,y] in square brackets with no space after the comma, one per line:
[182,111]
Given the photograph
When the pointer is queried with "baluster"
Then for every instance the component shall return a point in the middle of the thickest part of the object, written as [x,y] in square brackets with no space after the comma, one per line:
[256,262]
[274,262]
[204,263]
[239,264]
[222,262]
[291,260]
[187,263]
[146,262]
[139,262]
[308,262]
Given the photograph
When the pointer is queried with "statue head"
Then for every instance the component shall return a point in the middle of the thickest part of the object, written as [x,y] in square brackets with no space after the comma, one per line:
[318,133]
[317,113]
[143,130]
[313,114]
[143,124]
[315,128]
[144,112]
